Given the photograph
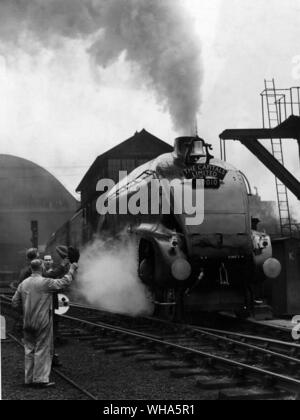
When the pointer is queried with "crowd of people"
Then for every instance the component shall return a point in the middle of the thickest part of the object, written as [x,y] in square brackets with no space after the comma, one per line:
[36,299]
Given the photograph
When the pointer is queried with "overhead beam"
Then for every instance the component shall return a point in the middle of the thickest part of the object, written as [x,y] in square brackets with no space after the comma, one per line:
[273,165]
[289,129]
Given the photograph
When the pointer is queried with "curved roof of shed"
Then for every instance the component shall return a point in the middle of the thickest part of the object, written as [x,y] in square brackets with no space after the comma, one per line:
[27,186]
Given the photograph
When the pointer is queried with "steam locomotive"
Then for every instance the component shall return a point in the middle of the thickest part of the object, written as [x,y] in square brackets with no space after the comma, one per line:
[211,260]
[212,265]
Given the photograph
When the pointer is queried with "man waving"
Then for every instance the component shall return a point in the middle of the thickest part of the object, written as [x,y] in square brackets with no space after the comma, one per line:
[34,297]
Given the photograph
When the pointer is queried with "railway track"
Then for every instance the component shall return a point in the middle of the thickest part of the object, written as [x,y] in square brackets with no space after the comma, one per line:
[286,348]
[228,322]
[236,366]
[6,291]
[266,329]
[62,375]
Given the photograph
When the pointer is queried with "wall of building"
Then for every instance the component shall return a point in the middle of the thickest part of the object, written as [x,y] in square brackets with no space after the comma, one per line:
[267,213]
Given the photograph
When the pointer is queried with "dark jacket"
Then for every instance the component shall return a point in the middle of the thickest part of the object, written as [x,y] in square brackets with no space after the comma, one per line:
[24,274]
[56,273]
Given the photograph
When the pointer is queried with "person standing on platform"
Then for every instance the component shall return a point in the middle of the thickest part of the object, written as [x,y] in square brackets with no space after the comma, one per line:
[62,268]
[48,263]
[56,273]
[34,298]
[31,255]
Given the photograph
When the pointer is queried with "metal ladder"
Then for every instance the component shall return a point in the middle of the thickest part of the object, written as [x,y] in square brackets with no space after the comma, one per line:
[273,112]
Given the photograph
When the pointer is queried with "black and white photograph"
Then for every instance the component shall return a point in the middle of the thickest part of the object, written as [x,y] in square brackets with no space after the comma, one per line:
[149,203]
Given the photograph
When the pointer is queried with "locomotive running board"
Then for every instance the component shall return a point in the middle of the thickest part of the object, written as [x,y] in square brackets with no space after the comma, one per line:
[164,303]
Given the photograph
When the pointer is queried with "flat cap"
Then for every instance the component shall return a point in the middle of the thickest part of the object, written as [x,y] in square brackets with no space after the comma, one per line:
[62,251]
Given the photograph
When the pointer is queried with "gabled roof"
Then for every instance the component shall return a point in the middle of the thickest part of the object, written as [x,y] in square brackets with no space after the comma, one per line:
[141,146]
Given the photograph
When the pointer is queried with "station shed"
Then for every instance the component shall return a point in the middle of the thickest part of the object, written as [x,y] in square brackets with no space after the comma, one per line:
[28,193]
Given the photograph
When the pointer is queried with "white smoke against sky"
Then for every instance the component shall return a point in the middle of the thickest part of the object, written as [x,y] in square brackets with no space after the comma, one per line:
[157,37]
[108,278]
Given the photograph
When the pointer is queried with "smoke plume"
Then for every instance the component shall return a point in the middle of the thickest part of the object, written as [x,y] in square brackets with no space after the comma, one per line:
[108,278]
[157,37]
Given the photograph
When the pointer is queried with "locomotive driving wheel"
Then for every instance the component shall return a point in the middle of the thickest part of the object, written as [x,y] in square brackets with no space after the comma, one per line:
[168,302]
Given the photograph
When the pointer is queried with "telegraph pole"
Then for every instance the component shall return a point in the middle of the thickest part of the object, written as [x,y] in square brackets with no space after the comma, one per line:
[35,233]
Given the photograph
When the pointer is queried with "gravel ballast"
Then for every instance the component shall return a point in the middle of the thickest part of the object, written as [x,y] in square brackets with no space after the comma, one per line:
[107,376]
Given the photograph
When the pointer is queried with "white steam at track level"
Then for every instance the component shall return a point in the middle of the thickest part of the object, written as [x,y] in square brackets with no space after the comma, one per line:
[108,278]
[157,36]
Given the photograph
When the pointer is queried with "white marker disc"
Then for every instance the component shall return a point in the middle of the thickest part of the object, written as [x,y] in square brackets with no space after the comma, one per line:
[63,304]
[272,268]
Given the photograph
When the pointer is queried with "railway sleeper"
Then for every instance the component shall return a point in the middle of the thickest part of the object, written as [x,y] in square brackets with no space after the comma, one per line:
[132,353]
[188,372]
[217,383]
[120,349]
[169,364]
[103,346]
[88,338]
[150,357]
[246,394]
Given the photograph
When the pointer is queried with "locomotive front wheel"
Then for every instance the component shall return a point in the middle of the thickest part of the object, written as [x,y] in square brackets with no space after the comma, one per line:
[168,301]
[243,314]
[146,271]
[169,305]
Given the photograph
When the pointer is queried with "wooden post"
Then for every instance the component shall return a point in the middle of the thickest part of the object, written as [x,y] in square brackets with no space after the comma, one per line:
[3,327]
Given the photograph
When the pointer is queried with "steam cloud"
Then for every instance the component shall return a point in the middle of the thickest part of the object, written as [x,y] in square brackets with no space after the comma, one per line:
[108,278]
[156,35]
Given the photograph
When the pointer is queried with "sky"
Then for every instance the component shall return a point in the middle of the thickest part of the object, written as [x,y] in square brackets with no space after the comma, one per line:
[63,103]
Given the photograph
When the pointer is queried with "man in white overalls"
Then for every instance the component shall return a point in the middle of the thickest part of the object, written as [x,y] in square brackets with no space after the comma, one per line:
[34,297]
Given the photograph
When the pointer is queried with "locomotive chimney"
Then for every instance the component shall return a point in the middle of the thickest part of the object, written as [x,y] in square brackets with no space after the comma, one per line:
[191,149]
